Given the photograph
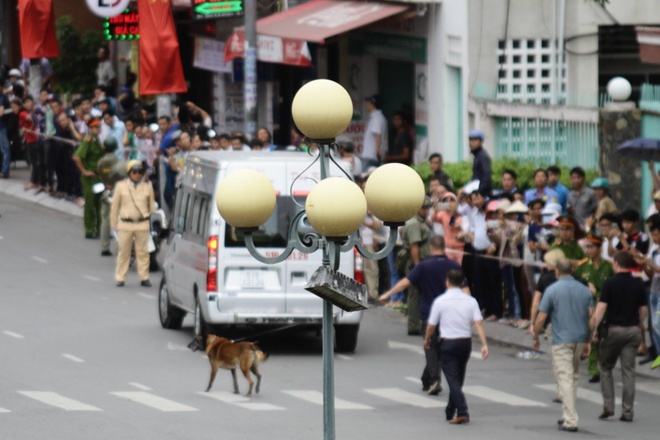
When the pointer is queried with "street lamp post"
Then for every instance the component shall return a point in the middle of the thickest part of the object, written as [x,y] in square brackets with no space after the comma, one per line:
[334,210]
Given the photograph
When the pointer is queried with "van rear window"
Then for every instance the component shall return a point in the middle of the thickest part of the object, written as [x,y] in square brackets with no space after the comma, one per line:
[275,232]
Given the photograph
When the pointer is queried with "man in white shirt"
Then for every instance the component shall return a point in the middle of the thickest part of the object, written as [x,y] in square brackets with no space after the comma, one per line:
[375,142]
[456,313]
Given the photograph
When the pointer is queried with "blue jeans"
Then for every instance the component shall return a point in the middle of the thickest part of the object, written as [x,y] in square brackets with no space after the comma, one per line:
[5,150]
[654,311]
[394,276]
[512,292]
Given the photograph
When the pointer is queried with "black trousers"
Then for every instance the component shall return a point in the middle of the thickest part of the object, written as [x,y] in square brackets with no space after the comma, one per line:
[432,368]
[454,356]
[488,284]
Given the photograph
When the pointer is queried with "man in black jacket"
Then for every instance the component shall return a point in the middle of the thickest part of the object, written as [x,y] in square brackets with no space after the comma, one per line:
[481,169]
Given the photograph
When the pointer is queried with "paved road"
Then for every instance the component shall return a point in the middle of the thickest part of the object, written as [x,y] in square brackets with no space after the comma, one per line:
[81,359]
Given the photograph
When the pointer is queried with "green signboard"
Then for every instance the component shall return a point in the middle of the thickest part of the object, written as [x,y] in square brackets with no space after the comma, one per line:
[205,9]
[389,46]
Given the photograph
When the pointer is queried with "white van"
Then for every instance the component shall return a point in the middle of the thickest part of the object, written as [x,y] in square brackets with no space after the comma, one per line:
[208,271]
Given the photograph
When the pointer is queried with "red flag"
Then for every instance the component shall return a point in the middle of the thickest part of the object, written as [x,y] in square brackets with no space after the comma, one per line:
[37,24]
[160,62]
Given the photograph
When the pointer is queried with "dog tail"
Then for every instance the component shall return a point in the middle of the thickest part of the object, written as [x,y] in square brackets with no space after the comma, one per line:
[261,356]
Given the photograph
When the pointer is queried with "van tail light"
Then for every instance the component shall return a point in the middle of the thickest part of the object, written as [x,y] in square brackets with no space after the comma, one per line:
[212,270]
[358,270]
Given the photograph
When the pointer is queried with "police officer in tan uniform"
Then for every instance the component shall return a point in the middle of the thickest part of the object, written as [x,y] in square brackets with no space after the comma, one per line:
[132,203]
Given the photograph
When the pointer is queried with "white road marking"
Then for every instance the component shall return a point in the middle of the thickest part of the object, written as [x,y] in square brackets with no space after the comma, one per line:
[2,410]
[139,386]
[500,396]
[1,237]
[13,335]
[476,355]
[584,394]
[343,357]
[401,396]
[413,379]
[241,401]
[72,357]
[316,397]
[173,346]
[91,278]
[403,346]
[146,295]
[153,401]
[651,388]
[59,401]
[40,260]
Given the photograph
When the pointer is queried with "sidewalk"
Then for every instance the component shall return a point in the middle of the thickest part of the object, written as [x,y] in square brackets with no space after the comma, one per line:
[15,186]
[507,335]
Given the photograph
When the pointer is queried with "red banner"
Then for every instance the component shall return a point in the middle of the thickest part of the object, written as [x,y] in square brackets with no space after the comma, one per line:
[270,50]
[37,25]
[160,61]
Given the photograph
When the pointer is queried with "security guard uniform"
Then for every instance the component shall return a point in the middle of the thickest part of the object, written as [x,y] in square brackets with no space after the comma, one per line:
[110,170]
[132,203]
[596,275]
[571,249]
[90,152]
[416,231]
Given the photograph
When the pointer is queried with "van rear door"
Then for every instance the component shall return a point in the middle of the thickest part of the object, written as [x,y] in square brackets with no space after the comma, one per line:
[247,287]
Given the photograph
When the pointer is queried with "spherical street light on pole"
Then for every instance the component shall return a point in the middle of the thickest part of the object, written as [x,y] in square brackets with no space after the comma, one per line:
[335,209]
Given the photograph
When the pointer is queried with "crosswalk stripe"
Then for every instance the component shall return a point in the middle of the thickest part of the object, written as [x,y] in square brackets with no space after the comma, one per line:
[241,401]
[316,397]
[500,396]
[401,396]
[3,410]
[404,346]
[584,394]
[153,401]
[59,401]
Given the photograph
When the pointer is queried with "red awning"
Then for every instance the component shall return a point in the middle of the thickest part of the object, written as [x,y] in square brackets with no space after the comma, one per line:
[317,20]
[649,44]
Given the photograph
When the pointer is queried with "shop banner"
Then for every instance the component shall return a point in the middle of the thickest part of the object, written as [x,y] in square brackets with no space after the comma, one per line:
[209,55]
[270,50]
[37,28]
[160,62]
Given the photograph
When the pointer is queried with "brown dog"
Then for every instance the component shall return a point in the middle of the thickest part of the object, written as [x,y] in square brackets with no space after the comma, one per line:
[227,354]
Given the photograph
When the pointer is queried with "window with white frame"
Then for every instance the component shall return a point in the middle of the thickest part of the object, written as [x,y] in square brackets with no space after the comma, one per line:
[525,71]
[454,50]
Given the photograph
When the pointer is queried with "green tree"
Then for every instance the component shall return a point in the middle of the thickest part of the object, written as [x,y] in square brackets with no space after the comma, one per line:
[75,68]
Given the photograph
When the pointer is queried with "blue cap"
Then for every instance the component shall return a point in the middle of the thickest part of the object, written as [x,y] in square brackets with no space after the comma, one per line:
[476,134]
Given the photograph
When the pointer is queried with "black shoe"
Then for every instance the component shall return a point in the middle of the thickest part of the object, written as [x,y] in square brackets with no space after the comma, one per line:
[567,429]
[605,415]
[435,389]
[106,254]
[594,379]
[119,284]
[626,419]
[417,333]
[647,360]
[145,283]
[560,422]
[89,236]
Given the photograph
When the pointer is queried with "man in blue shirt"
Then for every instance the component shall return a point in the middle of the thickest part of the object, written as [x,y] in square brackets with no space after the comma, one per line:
[570,305]
[542,190]
[4,140]
[430,274]
[554,173]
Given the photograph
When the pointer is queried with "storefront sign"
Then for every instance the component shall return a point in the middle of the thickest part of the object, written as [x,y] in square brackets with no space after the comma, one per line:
[270,49]
[107,8]
[389,46]
[209,55]
[124,26]
[355,133]
[205,9]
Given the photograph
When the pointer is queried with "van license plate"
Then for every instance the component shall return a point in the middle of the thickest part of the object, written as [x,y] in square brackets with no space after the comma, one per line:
[252,279]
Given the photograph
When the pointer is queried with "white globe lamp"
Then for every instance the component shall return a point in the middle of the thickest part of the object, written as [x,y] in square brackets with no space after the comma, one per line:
[322,109]
[245,199]
[394,193]
[619,88]
[336,207]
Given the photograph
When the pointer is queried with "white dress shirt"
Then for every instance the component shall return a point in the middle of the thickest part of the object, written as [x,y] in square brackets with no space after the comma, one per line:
[455,311]
[479,230]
